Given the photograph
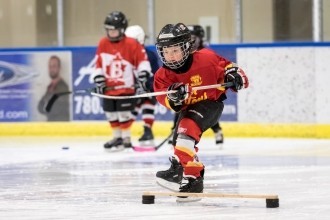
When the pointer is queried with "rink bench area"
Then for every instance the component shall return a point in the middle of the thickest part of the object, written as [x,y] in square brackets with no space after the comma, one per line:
[163,129]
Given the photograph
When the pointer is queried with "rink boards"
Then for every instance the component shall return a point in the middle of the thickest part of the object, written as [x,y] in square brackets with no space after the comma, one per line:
[162,129]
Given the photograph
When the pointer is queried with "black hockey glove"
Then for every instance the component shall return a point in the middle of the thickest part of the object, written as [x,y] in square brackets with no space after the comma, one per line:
[182,93]
[232,74]
[100,86]
[142,79]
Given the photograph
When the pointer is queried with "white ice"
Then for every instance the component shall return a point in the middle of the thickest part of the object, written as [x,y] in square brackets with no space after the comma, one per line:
[40,180]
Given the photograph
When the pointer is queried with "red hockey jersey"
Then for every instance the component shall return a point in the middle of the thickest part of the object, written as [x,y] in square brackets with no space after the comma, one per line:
[119,62]
[207,69]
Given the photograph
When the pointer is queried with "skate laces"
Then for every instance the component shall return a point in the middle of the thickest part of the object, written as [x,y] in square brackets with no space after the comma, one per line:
[218,135]
[174,162]
[118,140]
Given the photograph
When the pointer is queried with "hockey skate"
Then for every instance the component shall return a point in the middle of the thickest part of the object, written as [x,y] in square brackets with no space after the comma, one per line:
[127,144]
[171,178]
[219,139]
[191,185]
[114,145]
[147,139]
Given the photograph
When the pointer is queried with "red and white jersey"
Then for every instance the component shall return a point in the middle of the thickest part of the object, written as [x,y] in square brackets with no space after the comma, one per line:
[207,68]
[119,62]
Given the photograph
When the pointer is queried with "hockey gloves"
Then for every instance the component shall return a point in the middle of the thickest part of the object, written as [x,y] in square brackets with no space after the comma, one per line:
[99,81]
[142,80]
[232,74]
[182,93]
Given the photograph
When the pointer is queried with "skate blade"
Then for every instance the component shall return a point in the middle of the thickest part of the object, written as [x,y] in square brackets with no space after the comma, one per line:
[115,149]
[174,187]
[187,199]
[129,150]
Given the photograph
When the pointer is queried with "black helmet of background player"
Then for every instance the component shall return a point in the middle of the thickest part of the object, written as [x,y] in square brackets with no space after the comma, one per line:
[197,36]
[115,21]
[174,35]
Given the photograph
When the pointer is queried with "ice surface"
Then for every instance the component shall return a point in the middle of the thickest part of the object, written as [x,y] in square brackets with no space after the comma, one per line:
[41,180]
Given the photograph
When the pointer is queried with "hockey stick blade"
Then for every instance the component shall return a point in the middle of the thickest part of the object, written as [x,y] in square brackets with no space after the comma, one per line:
[150,94]
[50,102]
[55,96]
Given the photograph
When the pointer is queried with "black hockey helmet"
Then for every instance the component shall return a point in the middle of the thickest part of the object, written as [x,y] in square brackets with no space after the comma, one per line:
[197,37]
[116,20]
[196,30]
[174,35]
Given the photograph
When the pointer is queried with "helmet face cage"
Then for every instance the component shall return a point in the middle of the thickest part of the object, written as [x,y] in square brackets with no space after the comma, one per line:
[172,36]
[116,21]
[185,51]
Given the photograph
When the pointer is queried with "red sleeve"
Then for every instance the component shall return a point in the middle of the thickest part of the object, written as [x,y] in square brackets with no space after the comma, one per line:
[99,50]
[224,63]
[241,72]
[161,83]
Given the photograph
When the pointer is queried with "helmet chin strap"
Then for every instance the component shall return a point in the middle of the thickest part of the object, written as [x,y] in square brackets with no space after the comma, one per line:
[182,69]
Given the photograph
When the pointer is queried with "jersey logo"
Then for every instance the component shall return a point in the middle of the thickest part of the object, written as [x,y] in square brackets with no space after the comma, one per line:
[195,80]
[115,68]
[193,98]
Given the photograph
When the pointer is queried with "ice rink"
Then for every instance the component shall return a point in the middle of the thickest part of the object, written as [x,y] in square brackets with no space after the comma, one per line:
[41,180]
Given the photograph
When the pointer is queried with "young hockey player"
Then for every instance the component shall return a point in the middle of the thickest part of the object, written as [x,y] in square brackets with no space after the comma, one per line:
[199,110]
[120,62]
[197,38]
[146,105]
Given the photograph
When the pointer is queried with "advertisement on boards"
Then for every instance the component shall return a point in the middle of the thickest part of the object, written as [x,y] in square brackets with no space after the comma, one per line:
[29,78]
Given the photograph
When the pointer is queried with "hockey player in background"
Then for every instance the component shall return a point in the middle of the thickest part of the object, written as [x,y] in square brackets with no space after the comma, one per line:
[198,110]
[145,105]
[198,43]
[120,62]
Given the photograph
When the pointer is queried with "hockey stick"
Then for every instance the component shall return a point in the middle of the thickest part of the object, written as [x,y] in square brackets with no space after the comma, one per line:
[54,97]
[151,149]
[163,142]
[272,200]
[150,94]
